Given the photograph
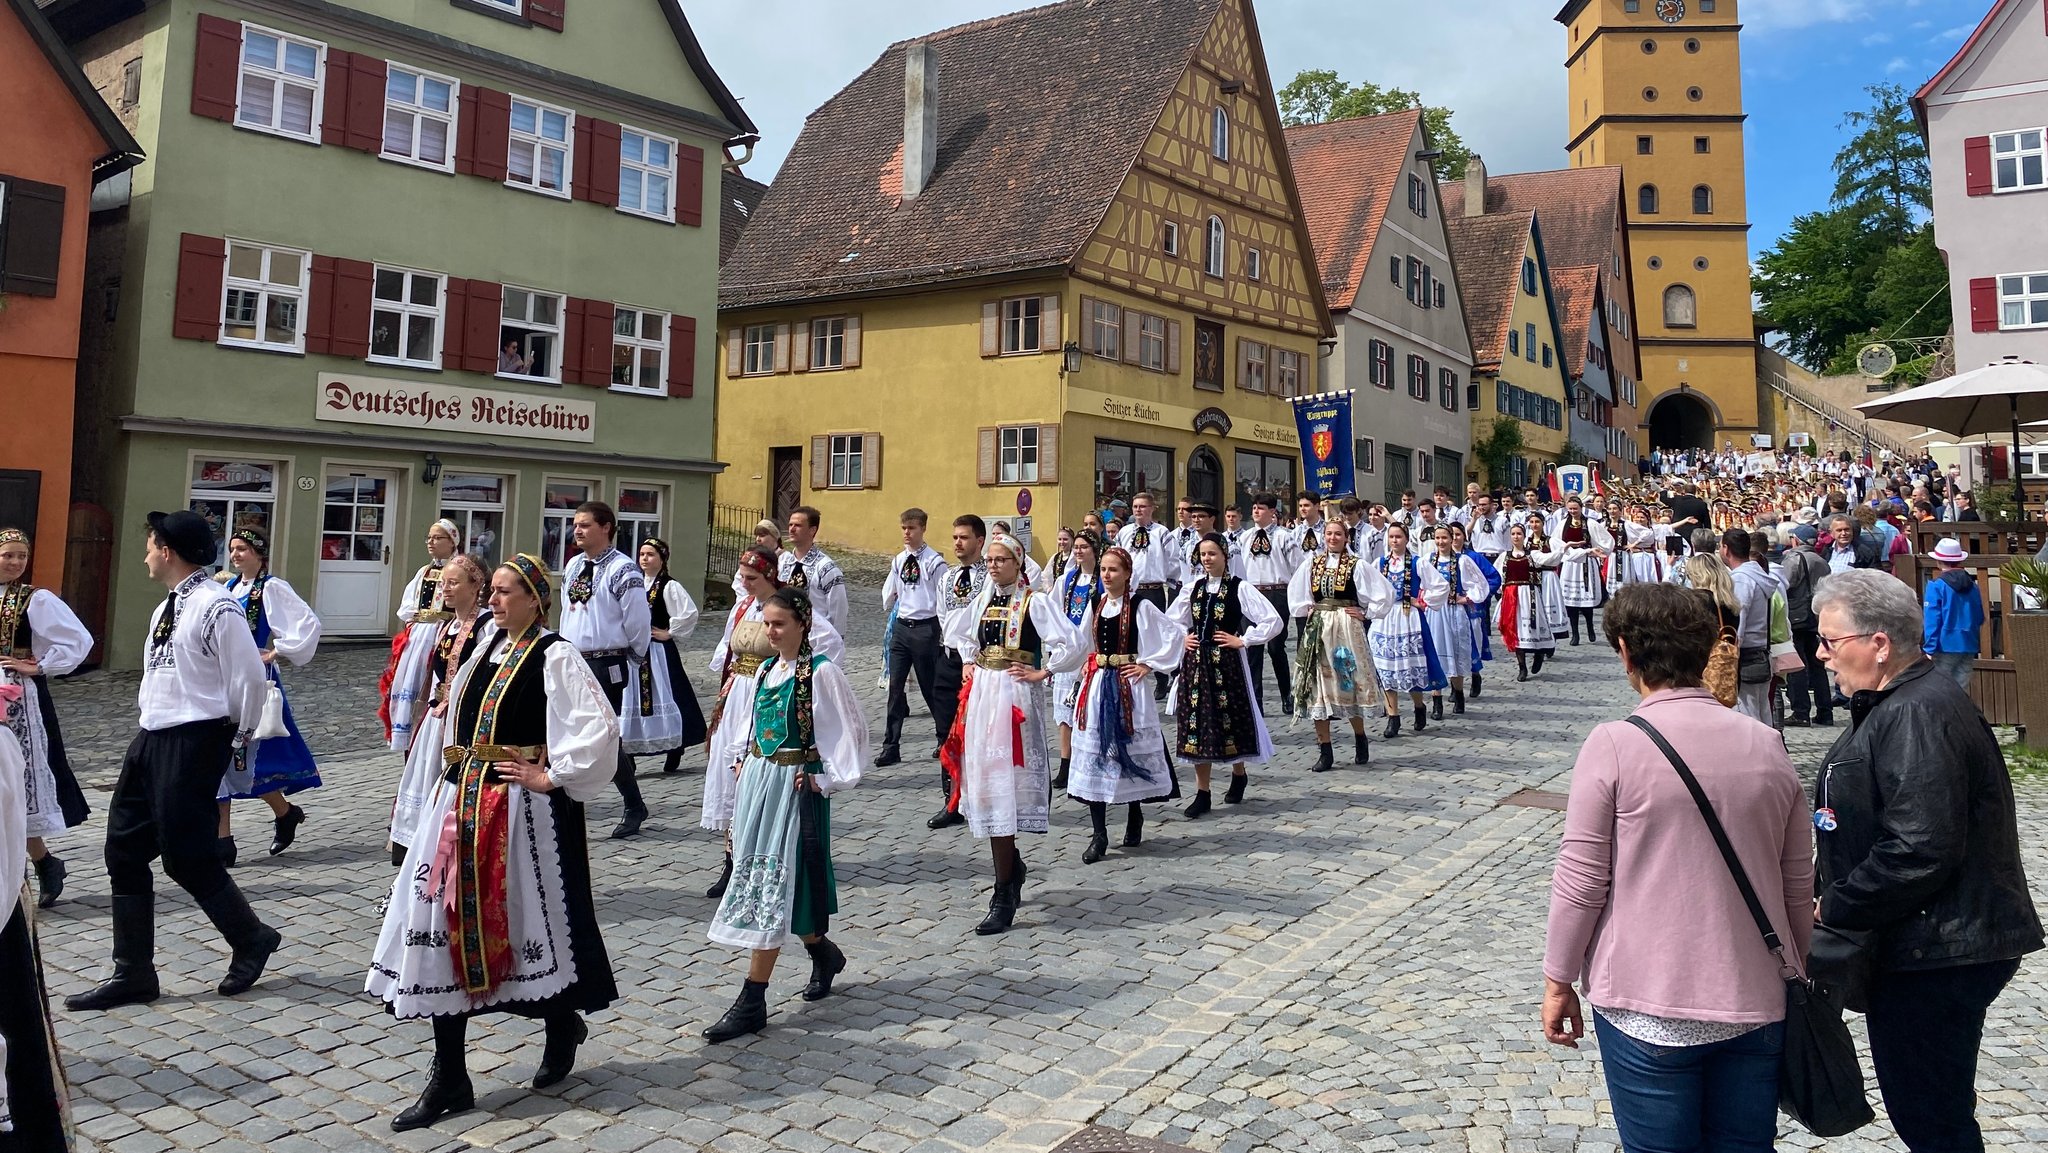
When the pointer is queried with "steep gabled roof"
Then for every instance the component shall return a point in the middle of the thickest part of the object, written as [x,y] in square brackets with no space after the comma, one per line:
[1348,171]
[122,152]
[1579,207]
[742,196]
[1955,63]
[1487,253]
[1041,115]
[1575,291]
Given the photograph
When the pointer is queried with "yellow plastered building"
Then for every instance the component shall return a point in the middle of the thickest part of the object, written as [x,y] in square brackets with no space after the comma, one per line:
[1518,355]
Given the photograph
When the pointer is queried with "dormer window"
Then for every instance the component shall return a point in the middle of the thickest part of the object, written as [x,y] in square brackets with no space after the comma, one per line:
[1219,134]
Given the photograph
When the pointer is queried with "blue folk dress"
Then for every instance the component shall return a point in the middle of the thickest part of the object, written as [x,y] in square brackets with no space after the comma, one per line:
[280,619]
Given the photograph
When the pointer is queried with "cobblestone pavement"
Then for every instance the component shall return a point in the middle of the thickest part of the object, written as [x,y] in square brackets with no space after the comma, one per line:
[1346,961]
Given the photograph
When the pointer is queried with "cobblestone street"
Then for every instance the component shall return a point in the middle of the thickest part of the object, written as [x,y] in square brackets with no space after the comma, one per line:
[1348,961]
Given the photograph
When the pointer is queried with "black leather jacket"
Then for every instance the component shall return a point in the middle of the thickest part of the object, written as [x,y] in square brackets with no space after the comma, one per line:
[1926,845]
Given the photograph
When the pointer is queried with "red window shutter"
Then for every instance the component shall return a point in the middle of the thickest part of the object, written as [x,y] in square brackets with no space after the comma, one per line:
[216,68]
[465,130]
[1977,165]
[604,163]
[579,169]
[682,355]
[1984,304]
[480,327]
[202,262]
[597,343]
[689,185]
[320,308]
[546,13]
[575,357]
[334,106]
[353,281]
[493,133]
[454,314]
[366,77]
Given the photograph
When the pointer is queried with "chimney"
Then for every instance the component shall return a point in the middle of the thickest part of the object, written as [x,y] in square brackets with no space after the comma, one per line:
[920,116]
[1475,186]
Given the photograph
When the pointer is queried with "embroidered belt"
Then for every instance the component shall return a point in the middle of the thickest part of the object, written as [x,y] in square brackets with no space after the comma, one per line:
[432,616]
[795,757]
[998,657]
[457,754]
[747,664]
[1152,584]
[608,654]
[1116,660]
[1335,605]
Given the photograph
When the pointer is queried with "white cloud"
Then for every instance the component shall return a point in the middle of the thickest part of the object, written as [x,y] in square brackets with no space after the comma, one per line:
[1955,33]
[1877,38]
[1896,64]
[1773,15]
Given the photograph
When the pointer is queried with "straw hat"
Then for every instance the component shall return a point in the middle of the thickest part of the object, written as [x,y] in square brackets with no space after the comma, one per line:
[1949,551]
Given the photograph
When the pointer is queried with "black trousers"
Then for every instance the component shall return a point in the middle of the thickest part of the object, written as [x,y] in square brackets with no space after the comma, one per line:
[164,806]
[1926,1026]
[915,646]
[1811,681]
[1276,648]
[611,675]
[1158,597]
[947,676]
[31,1066]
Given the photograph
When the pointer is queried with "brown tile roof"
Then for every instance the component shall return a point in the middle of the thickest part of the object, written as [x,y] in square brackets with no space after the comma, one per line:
[1578,207]
[1347,171]
[1041,114]
[1573,290]
[742,195]
[1486,254]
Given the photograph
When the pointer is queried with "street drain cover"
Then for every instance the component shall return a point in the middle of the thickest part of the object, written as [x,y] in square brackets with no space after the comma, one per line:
[1096,1139]
[1535,799]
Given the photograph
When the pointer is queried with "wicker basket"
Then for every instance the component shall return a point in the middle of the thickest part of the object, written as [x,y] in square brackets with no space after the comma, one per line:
[2027,645]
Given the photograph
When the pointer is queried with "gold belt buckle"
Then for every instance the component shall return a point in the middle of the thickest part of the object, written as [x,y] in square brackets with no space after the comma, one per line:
[1117,660]
[491,754]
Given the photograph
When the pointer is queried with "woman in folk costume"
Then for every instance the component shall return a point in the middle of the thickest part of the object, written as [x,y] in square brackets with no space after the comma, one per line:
[1481,611]
[1217,716]
[464,587]
[284,626]
[1119,747]
[659,713]
[1337,595]
[1524,620]
[35,1111]
[1452,626]
[1586,546]
[1016,640]
[1403,641]
[1076,592]
[492,910]
[1549,564]
[737,661]
[422,613]
[40,637]
[808,742]
[1639,550]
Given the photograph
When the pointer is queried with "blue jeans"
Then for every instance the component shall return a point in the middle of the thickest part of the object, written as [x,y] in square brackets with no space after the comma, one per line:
[1718,1098]
[1956,666]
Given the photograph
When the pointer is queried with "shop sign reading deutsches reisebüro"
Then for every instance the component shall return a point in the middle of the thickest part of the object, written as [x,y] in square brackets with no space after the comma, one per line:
[448,408]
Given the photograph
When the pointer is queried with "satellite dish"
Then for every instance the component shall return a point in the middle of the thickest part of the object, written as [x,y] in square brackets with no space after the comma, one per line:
[1877,360]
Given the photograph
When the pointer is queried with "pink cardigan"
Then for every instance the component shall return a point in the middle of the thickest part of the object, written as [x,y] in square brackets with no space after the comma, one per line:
[1641,904]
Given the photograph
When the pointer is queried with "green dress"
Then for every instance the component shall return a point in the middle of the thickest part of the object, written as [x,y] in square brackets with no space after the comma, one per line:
[782,879]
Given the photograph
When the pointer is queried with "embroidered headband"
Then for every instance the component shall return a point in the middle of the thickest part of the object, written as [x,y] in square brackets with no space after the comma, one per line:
[1009,545]
[253,539]
[448,526]
[13,536]
[659,545]
[534,575]
[758,563]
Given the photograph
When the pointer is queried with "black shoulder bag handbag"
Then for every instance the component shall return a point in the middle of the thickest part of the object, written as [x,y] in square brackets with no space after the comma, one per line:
[1819,1082]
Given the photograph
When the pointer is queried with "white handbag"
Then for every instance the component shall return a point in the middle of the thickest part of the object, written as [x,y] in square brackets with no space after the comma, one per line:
[272,724]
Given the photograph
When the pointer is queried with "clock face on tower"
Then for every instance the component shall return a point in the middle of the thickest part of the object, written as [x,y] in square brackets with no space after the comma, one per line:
[1670,11]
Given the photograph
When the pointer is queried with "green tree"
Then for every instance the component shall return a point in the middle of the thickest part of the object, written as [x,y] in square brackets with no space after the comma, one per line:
[1815,280]
[1502,443]
[1319,95]
[1882,171]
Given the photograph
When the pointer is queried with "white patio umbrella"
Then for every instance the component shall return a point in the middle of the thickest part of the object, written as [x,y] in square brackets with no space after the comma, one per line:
[1996,398]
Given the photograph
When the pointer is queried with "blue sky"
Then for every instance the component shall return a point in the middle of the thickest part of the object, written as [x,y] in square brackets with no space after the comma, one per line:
[1805,63]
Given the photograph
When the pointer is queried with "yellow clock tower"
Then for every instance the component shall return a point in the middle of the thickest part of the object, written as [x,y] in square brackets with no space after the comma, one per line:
[1656,88]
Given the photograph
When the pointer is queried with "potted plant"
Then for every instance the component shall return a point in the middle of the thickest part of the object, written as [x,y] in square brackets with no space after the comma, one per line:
[2026,642]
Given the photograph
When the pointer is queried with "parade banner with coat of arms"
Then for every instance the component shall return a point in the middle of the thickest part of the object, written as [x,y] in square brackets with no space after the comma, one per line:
[1323,422]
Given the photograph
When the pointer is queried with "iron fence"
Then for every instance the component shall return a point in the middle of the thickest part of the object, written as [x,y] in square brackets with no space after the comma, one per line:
[732,533]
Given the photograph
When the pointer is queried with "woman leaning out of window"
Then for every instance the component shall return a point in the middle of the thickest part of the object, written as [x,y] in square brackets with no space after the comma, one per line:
[1688,1003]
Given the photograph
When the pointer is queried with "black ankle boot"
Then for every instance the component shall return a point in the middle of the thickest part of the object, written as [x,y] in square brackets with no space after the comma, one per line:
[1421,718]
[1059,780]
[1458,701]
[287,828]
[1098,839]
[1436,707]
[943,818]
[1002,910]
[134,979]
[397,855]
[1522,666]
[1475,686]
[1134,826]
[1017,874]
[749,1014]
[1540,654]
[252,941]
[673,764]
[827,962]
[50,874]
[1325,761]
[724,878]
[224,847]
[448,1091]
[1393,728]
[1200,804]
[565,1032]
[1234,795]
[1361,751]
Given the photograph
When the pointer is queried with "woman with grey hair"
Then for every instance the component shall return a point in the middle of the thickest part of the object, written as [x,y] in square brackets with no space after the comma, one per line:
[1918,848]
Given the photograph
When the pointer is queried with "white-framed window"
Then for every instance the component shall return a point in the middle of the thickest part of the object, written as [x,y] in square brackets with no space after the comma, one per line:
[2018,160]
[1252,355]
[1018,459]
[1022,331]
[405,317]
[757,350]
[639,510]
[516,7]
[1254,265]
[1105,329]
[281,81]
[846,461]
[262,304]
[1151,342]
[539,154]
[559,498]
[1219,133]
[647,174]
[1286,373]
[233,495]
[1363,455]
[1212,257]
[530,334]
[476,503]
[419,118]
[2023,300]
[1169,238]
[639,350]
[828,343]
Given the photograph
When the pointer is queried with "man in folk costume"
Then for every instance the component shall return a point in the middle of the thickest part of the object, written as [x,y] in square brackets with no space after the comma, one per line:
[958,591]
[493,911]
[201,696]
[1488,527]
[1155,563]
[806,566]
[911,597]
[40,637]
[1017,641]
[606,617]
[1586,546]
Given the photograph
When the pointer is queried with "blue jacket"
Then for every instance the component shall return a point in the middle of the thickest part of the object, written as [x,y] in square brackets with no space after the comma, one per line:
[1954,611]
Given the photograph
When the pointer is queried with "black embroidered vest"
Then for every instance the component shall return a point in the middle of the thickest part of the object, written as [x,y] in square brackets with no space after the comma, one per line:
[523,714]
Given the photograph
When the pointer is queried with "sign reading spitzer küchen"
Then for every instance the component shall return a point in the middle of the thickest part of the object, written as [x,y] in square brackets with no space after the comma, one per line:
[447,408]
